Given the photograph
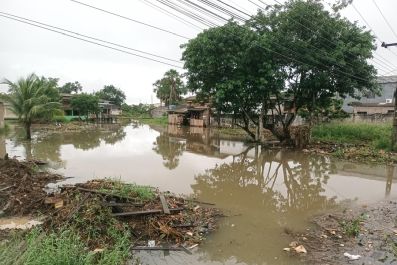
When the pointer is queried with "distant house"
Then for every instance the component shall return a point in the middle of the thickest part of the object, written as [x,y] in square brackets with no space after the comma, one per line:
[370,103]
[195,115]
[107,109]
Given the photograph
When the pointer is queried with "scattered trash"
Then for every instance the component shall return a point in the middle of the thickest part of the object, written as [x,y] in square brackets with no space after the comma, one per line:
[293,244]
[300,249]
[24,226]
[151,243]
[287,249]
[351,257]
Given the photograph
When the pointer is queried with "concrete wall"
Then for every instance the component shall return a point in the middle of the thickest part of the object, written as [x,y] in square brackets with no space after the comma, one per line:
[376,118]
[387,91]
[1,115]
[374,110]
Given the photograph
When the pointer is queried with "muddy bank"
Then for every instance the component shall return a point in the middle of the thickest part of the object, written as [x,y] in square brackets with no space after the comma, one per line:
[363,235]
[352,152]
[22,187]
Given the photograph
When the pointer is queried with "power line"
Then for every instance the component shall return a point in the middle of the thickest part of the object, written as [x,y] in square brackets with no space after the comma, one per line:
[301,62]
[93,38]
[130,19]
[232,7]
[170,14]
[384,18]
[333,43]
[187,13]
[369,26]
[92,42]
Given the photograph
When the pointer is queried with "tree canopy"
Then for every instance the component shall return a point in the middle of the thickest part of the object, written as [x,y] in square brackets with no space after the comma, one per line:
[70,87]
[295,56]
[32,98]
[170,87]
[113,94]
[85,103]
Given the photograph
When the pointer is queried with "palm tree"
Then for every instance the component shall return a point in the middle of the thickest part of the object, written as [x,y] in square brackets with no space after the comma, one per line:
[32,98]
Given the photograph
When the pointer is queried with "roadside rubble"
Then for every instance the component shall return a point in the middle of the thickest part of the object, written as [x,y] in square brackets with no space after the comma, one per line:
[22,187]
[99,209]
[359,235]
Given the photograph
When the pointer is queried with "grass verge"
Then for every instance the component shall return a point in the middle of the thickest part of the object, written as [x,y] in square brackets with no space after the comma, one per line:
[153,121]
[377,136]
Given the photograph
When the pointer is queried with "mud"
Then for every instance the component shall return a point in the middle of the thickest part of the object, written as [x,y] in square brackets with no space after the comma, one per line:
[22,187]
[331,236]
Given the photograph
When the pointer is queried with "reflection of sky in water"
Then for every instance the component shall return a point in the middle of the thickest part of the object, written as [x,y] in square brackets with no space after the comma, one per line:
[268,191]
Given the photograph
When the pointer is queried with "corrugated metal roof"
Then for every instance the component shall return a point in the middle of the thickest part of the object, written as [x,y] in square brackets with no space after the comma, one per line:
[387,79]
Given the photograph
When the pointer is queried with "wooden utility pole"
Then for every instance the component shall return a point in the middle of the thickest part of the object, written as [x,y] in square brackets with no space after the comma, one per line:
[394,133]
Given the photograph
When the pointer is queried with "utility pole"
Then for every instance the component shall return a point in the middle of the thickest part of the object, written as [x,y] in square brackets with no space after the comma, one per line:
[394,133]
[385,45]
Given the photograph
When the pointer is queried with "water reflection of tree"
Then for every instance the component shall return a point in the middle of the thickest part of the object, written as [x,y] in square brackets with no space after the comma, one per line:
[170,149]
[48,146]
[271,190]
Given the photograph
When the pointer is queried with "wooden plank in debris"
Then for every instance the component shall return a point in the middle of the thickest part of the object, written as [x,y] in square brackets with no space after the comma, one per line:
[122,204]
[162,248]
[166,210]
[146,212]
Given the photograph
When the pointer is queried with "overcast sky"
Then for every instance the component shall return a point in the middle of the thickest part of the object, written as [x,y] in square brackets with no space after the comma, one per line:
[25,49]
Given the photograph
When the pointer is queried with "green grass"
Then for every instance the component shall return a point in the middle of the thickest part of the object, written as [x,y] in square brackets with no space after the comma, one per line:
[128,190]
[154,121]
[352,227]
[5,129]
[61,248]
[376,135]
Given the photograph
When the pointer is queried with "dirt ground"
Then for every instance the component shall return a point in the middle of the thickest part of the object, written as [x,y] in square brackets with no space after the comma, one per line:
[368,231]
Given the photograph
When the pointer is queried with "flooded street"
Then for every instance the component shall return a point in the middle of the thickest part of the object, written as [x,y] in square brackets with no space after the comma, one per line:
[264,192]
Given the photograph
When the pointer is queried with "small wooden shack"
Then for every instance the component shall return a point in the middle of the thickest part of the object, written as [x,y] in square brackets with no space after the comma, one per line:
[194,116]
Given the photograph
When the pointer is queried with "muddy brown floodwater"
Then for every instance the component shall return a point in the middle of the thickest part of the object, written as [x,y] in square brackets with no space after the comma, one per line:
[264,192]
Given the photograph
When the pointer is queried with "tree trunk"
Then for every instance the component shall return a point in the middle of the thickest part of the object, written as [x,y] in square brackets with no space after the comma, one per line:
[28,132]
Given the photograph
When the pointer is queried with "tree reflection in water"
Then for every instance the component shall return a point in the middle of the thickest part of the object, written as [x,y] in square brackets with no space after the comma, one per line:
[269,191]
[170,149]
[48,146]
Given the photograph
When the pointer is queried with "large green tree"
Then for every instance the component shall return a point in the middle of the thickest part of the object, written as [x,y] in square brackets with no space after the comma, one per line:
[32,98]
[294,56]
[113,94]
[85,103]
[170,87]
[70,87]
[230,68]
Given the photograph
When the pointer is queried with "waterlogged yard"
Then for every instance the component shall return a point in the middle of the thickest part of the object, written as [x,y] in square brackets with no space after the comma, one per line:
[263,192]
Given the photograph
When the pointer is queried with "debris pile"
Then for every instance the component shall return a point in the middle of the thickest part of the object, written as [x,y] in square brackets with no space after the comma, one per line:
[170,221]
[101,212]
[22,187]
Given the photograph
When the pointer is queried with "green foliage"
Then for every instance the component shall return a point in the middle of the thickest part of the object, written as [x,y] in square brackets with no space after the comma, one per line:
[170,88]
[112,94]
[277,59]
[65,247]
[128,190]
[5,129]
[32,98]
[136,111]
[154,121]
[352,227]
[70,87]
[376,135]
[85,103]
